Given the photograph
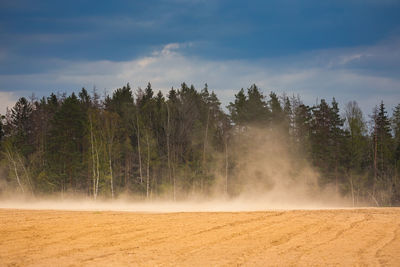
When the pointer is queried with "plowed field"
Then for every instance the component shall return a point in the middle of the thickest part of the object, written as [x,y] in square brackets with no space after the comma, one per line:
[299,237]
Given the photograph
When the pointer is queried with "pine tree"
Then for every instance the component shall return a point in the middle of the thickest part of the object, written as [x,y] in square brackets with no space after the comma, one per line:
[320,141]
[21,125]
[302,128]
[66,144]
[2,118]
[257,109]
[287,123]
[250,109]
[237,109]
[337,144]
[396,131]
[383,155]
[396,156]
[384,141]
[356,155]
[277,114]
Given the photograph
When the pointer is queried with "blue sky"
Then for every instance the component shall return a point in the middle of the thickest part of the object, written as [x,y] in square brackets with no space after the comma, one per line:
[317,49]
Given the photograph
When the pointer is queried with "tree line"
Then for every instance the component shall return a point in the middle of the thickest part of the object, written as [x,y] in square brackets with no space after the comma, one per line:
[151,146]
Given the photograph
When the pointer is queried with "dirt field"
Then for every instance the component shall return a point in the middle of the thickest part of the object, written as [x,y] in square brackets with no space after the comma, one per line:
[319,237]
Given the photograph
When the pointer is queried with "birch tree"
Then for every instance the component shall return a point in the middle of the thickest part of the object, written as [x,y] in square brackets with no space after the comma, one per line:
[111,121]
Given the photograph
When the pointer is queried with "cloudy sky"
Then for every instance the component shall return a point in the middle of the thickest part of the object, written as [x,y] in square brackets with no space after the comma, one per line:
[348,49]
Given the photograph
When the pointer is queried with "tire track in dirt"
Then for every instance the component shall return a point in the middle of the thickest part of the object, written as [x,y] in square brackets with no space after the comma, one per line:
[114,240]
[73,239]
[378,237]
[259,231]
[394,237]
[215,228]
[293,235]
[193,248]
[358,243]
[338,234]
[238,223]
[196,248]
[151,239]
[320,237]
[274,244]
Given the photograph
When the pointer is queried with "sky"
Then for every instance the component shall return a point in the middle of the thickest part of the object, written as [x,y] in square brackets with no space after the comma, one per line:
[347,49]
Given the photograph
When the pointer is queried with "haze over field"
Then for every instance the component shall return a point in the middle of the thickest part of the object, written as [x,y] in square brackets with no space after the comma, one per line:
[267,177]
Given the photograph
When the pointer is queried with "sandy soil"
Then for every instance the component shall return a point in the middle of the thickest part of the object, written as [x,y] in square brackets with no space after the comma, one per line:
[312,237]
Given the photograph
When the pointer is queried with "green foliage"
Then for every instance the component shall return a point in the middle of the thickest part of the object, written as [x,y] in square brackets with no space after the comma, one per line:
[1,127]
[384,140]
[250,109]
[150,145]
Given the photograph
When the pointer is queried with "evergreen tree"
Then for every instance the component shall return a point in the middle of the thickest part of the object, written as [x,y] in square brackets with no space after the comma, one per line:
[383,156]
[396,131]
[396,156]
[337,144]
[237,109]
[20,125]
[121,98]
[384,141]
[302,127]
[250,109]
[1,127]
[320,133]
[287,123]
[277,114]
[66,145]
[356,156]
[257,109]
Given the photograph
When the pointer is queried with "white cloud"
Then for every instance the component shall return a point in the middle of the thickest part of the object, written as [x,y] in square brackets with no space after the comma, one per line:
[349,58]
[320,74]
[7,99]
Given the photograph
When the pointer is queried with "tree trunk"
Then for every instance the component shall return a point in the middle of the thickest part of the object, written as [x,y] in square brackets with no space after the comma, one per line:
[336,177]
[148,166]
[10,158]
[173,176]
[226,166]
[204,150]
[375,159]
[126,173]
[140,156]
[93,158]
[174,180]
[26,174]
[168,145]
[111,174]
[352,188]
[110,130]
[98,171]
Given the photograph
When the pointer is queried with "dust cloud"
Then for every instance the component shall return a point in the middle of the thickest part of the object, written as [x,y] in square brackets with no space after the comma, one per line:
[265,172]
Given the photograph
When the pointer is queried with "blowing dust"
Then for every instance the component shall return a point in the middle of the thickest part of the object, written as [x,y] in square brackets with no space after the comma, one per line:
[264,173]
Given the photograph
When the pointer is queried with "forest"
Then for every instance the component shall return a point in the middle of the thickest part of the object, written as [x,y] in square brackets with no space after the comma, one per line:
[153,146]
